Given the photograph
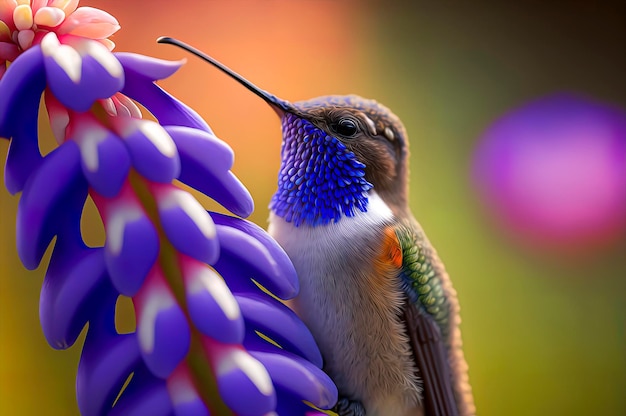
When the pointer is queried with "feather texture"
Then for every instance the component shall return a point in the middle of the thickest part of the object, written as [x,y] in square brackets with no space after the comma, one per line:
[433,312]
[351,300]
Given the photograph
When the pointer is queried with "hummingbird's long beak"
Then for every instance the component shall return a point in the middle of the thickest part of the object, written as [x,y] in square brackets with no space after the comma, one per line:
[279,105]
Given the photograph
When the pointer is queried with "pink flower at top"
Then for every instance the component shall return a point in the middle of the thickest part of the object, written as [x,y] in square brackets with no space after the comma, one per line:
[25,23]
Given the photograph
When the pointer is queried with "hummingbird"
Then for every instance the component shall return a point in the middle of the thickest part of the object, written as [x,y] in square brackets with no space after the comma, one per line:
[373,291]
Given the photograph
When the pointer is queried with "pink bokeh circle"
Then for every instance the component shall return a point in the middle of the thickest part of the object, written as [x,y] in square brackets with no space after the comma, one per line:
[554,171]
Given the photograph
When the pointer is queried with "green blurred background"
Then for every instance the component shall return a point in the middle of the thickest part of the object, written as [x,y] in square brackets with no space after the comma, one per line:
[544,334]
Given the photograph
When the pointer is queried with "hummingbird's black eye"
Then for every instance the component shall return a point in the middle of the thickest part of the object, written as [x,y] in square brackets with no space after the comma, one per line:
[345,127]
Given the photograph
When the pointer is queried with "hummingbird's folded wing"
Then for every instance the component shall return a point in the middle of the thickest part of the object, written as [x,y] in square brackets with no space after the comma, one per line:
[432,363]
[426,317]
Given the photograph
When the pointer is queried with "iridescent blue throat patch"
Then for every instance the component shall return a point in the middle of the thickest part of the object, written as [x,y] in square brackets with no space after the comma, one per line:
[320,179]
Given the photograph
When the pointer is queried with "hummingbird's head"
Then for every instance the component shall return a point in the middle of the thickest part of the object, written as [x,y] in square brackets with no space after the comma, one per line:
[336,150]
[371,132]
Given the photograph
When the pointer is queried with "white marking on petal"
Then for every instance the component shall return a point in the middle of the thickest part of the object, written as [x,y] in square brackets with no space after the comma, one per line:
[121,215]
[103,55]
[64,55]
[49,44]
[23,17]
[89,140]
[159,137]
[179,198]
[100,53]
[256,372]
[59,119]
[49,16]
[181,390]
[156,301]
[205,279]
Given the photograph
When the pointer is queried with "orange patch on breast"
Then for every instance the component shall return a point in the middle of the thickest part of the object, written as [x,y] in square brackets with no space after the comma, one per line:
[390,258]
[391,247]
[387,265]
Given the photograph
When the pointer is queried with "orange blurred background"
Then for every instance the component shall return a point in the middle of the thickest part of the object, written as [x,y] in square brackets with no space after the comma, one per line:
[543,336]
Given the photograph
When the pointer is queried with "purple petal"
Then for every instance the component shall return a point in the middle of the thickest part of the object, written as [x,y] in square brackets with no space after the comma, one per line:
[105,364]
[148,67]
[53,192]
[130,255]
[201,146]
[205,161]
[288,405]
[242,395]
[187,225]
[153,401]
[164,339]
[95,83]
[144,395]
[299,377]
[75,286]
[20,89]
[140,73]
[286,398]
[212,307]
[280,258]
[244,257]
[74,281]
[254,342]
[23,157]
[275,320]
[192,408]
[111,167]
[152,151]
[225,189]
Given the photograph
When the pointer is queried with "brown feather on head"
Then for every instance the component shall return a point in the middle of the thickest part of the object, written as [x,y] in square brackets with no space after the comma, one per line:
[373,133]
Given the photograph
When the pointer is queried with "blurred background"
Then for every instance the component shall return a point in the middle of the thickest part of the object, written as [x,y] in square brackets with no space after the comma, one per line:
[515,112]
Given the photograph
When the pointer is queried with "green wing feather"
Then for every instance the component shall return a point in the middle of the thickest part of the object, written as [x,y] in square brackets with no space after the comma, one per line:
[431,317]
[421,281]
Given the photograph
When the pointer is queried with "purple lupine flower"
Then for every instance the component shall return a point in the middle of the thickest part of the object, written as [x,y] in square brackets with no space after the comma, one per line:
[209,340]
